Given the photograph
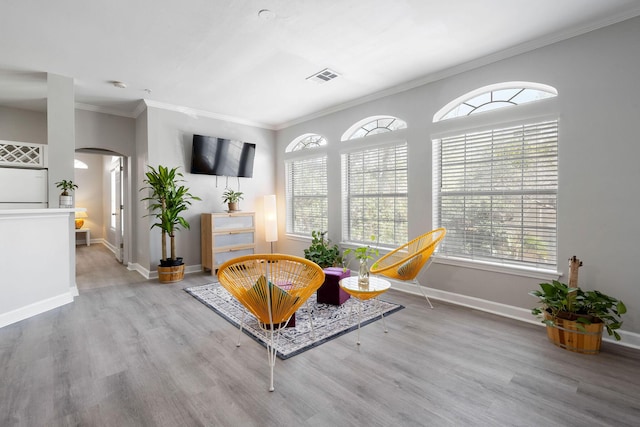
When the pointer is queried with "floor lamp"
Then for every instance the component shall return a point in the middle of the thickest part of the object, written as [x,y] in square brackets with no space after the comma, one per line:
[270,219]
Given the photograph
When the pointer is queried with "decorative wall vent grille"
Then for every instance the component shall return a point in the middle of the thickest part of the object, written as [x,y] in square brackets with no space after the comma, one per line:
[24,155]
[323,76]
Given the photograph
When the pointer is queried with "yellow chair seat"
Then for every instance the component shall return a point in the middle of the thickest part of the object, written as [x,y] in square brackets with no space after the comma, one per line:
[272,287]
[405,262]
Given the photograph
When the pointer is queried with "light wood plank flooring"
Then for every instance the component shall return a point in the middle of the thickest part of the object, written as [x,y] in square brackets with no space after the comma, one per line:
[132,352]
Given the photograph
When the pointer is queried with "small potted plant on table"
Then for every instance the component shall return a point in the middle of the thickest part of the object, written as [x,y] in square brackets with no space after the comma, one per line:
[363,254]
[231,198]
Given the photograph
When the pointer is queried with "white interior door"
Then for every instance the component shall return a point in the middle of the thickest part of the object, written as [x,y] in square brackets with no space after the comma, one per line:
[116,207]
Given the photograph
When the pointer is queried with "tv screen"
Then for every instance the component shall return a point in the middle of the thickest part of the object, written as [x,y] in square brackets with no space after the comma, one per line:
[219,156]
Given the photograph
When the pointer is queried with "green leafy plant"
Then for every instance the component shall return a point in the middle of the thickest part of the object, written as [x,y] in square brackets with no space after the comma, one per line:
[363,253]
[585,307]
[169,199]
[66,186]
[322,252]
[230,196]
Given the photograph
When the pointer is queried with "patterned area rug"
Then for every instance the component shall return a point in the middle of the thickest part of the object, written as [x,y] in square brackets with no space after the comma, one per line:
[329,321]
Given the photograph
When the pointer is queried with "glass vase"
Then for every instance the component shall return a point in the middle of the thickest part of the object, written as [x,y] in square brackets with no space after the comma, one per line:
[363,274]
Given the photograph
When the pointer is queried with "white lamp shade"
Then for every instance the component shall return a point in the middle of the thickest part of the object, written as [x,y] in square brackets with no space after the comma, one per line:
[270,218]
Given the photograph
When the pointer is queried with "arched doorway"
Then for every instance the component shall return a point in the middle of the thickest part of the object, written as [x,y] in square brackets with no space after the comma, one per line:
[105,191]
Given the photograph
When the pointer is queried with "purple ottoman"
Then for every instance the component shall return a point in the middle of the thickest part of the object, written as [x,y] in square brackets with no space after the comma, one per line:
[330,292]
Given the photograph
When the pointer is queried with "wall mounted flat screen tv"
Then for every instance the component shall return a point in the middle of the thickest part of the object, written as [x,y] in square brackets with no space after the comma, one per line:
[219,156]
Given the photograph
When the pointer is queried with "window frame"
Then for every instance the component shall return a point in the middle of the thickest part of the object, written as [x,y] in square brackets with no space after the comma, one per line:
[359,145]
[523,114]
[293,157]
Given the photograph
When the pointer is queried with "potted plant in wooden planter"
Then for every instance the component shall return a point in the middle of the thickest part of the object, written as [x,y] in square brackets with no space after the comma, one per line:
[575,318]
[66,199]
[231,198]
[169,199]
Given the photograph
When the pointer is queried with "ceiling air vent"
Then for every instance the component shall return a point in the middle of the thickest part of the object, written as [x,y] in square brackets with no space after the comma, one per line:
[323,76]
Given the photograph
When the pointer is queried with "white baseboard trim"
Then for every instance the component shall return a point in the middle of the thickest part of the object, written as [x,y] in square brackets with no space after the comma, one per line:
[107,244]
[147,274]
[34,309]
[140,269]
[629,339]
[189,269]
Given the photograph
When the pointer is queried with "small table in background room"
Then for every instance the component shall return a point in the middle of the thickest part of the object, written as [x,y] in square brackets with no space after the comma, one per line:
[87,233]
[376,287]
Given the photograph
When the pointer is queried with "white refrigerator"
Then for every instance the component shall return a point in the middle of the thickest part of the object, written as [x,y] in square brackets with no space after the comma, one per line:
[23,188]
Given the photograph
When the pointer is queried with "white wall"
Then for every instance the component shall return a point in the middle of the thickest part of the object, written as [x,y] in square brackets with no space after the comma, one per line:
[105,131]
[170,136]
[23,125]
[596,77]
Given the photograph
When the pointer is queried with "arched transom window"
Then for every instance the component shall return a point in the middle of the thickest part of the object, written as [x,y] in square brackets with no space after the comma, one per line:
[309,140]
[373,126]
[495,97]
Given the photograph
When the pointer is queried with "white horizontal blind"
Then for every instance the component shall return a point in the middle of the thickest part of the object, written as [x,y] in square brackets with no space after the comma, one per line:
[306,190]
[375,195]
[495,192]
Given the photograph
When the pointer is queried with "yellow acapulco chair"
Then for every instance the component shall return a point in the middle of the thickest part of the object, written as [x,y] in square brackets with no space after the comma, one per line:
[272,287]
[406,262]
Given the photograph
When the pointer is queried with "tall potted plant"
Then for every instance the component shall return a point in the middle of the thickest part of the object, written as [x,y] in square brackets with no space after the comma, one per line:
[168,200]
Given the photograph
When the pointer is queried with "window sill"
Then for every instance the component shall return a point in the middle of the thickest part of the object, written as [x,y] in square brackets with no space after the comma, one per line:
[533,273]
[298,237]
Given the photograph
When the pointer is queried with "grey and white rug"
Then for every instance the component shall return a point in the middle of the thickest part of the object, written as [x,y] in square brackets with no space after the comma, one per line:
[329,321]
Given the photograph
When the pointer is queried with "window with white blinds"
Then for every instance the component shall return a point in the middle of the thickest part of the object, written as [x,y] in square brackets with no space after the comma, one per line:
[496,194]
[375,195]
[306,190]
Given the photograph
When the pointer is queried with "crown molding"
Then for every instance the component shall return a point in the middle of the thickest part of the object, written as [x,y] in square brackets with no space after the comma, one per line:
[104,110]
[469,65]
[193,112]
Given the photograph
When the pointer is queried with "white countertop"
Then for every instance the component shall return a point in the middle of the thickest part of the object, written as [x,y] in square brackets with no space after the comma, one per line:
[40,211]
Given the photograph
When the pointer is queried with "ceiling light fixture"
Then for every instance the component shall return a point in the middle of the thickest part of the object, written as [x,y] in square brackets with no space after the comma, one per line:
[266,14]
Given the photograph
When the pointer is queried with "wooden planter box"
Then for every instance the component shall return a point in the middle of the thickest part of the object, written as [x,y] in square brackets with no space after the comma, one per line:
[567,335]
[171,274]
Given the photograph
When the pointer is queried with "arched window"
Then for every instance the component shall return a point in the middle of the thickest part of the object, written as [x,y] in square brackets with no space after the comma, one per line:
[306,185]
[375,176]
[495,97]
[373,125]
[308,140]
[495,186]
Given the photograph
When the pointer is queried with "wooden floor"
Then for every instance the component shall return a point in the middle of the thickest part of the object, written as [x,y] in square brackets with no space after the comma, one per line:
[132,352]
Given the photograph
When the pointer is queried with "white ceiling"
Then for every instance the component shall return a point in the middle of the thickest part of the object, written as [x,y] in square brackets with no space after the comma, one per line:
[220,57]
